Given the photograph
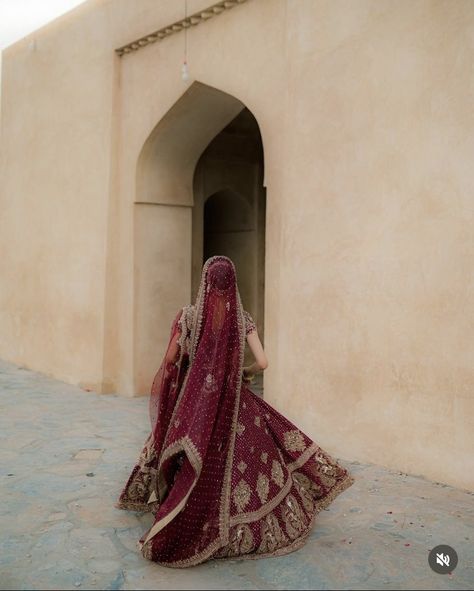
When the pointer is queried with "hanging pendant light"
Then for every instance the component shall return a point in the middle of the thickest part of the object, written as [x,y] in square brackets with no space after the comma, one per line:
[185,72]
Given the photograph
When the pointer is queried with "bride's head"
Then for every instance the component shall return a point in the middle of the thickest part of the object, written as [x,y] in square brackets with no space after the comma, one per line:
[220,273]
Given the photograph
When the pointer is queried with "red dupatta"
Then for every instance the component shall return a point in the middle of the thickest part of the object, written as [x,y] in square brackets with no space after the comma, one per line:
[193,410]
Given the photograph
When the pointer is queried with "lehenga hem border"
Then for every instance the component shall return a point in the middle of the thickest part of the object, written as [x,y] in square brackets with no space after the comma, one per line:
[299,542]
[295,545]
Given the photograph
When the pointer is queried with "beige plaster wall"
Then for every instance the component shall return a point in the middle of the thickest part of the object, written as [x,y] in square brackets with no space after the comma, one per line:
[377,242]
[54,184]
[365,110]
[58,148]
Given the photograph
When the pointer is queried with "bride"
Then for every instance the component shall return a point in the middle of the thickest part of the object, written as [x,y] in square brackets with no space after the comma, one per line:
[223,472]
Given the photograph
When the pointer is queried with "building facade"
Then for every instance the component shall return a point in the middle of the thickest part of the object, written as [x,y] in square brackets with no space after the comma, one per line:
[325,146]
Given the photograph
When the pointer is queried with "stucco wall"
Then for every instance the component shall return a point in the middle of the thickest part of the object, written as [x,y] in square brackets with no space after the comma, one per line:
[365,111]
[54,186]
[377,243]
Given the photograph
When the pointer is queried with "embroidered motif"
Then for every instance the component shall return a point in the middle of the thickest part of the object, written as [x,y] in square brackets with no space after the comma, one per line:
[176,423]
[242,466]
[329,471]
[278,475]
[210,382]
[272,536]
[264,457]
[186,324]
[147,454]
[240,542]
[304,487]
[227,305]
[327,481]
[138,490]
[262,487]
[320,458]
[205,526]
[294,441]
[147,550]
[249,323]
[240,428]
[293,517]
[257,421]
[242,494]
[267,416]
[252,449]
[244,404]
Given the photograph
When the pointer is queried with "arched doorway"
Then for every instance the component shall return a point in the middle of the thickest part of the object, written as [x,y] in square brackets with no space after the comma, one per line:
[229,208]
[206,149]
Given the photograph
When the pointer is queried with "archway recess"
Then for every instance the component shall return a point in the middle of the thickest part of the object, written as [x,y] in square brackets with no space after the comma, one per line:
[163,217]
[229,209]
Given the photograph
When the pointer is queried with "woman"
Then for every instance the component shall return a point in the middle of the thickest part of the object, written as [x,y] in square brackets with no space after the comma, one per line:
[224,473]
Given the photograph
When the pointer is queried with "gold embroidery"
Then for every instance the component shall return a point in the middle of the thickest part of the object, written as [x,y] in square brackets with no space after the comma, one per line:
[139,489]
[272,536]
[278,475]
[185,323]
[319,457]
[257,421]
[225,496]
[304,487]
[328,481]
[293,517]
[263,485]
[240,542]
[242,494]
[264,457]
[240,428]
[279,496]
[147,551]
[242,466]
[148,452]
[294,441]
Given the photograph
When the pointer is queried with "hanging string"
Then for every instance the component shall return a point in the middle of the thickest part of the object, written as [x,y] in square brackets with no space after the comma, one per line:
[185,31]
[184,68]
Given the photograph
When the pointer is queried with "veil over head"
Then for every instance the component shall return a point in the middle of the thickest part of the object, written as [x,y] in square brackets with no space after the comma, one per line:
[194,414]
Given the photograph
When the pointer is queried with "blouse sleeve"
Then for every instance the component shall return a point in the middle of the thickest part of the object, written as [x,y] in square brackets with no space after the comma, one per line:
[250,325]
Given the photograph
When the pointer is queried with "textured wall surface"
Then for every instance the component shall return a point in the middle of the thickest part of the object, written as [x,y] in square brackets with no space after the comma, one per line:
[365,111]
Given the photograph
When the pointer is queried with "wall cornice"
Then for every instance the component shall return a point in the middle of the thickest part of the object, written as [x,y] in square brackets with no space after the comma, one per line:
[190,21]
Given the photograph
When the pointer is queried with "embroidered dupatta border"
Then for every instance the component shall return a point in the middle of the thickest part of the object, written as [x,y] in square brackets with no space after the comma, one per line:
[224,513]
[184,444]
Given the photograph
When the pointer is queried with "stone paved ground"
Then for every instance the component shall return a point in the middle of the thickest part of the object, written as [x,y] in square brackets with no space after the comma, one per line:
[65,455]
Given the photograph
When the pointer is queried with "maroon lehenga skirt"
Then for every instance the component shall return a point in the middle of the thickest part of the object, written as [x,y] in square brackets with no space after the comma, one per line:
[280,481]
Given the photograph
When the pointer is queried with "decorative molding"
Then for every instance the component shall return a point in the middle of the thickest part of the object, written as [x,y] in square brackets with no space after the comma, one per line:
[176,27]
